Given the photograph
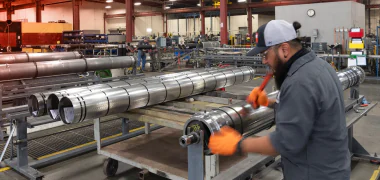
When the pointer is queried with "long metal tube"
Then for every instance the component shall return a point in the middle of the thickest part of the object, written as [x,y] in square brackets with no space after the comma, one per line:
[36,57]
[243,118]
[74,109]
[49,68]
[47,102]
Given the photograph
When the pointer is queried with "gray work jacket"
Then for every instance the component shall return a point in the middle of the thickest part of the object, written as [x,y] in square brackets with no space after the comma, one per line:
[311,134]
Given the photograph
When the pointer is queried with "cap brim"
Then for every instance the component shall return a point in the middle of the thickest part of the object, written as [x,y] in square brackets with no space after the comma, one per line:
[256,50]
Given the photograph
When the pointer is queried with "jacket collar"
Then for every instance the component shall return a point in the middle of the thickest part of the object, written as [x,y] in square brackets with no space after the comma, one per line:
[300,62]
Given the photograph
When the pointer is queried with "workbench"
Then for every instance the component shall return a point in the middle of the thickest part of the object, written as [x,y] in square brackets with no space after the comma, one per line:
[159,151]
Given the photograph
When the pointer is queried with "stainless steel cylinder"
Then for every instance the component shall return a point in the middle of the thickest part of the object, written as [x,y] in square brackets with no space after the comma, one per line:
[48,68]
[48,103]
[94,64]
[17,71]
[137,96]
[35,57]
[246,120]
[13,58]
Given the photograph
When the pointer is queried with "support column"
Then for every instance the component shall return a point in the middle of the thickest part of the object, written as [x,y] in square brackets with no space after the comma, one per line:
[129,20]
[133,20]
[8,6]
[164,21]
[223,22]
[249,18]
[163,24]
[38,11]
[104,23]
[166,24]
[202,17]
[76,19]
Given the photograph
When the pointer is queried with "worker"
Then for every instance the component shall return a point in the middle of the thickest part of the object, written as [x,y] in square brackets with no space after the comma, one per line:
[310,133]
[141,54]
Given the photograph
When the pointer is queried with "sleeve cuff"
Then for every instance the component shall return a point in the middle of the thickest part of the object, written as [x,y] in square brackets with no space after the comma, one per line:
[275,141]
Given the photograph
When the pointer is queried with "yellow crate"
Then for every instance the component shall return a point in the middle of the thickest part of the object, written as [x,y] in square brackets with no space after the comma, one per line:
[37,50]
[28,50]
[356,46]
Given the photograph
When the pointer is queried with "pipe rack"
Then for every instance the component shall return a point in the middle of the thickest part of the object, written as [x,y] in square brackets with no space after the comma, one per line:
[246,120]
[74,109]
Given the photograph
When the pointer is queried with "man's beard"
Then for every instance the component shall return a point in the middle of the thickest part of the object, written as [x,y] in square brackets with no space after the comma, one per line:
[280,73]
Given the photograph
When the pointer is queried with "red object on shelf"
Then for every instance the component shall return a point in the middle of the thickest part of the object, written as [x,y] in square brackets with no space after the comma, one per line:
[4,39]
[356,34]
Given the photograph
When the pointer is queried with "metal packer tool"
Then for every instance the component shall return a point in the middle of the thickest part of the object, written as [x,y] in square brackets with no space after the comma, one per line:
[77,108]
[40,104]
[243,118]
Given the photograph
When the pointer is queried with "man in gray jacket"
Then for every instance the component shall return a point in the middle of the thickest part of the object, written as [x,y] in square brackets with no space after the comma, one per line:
[310,134]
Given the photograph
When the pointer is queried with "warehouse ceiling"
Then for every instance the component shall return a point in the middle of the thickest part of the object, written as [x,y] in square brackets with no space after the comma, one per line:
[260,6]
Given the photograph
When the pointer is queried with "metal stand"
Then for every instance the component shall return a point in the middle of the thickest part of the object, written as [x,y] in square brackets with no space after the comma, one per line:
[196,159]
[356,149]
[20,164]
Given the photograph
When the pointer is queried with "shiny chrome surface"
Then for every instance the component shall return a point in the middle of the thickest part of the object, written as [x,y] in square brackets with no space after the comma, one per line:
[118,99]
[96,105]
[242,117]
[157,93]
[94,64]
[121,99]
[35,57]
[138,96]
[173,90]
[50,68]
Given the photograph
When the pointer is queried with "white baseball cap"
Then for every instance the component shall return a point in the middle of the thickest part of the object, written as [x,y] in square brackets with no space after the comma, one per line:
[272,33]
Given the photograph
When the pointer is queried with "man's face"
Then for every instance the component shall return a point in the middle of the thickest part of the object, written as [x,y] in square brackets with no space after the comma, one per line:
[146,40]
[273,59]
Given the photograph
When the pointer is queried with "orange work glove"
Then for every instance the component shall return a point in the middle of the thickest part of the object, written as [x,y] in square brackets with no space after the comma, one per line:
[258,98]
[225,141]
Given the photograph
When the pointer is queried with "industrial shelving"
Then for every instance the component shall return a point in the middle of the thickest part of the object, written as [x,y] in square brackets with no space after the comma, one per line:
[80,37]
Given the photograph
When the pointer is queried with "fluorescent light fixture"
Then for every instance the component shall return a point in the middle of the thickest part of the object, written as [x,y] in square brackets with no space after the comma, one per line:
[149,30]
[172,0]
[198,4]
[137,3]
[167,7]
[242,0]
[108,7]
[109,1]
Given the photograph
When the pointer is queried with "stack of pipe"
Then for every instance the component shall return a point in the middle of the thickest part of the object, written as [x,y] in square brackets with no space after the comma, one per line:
[49,68]
[44,103]
[77,108]
[243,118]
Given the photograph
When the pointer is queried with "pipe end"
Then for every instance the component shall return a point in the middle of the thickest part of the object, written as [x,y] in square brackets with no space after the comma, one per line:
[52,106]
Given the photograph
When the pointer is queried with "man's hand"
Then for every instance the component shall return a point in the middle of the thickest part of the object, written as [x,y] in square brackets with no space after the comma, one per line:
[258,98]
[225,141]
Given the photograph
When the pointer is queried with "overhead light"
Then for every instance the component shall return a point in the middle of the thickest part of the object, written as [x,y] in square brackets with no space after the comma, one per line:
[137,3]
[167,7]
[242,0]
[172,0]
[149,30]
[198,4]
[109,1]
[108,7]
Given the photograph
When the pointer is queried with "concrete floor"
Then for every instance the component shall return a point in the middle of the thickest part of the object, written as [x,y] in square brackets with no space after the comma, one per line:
[89,166]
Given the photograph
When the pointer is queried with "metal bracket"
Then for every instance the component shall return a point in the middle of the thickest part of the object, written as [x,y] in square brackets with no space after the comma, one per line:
[20,164]
[195,158]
